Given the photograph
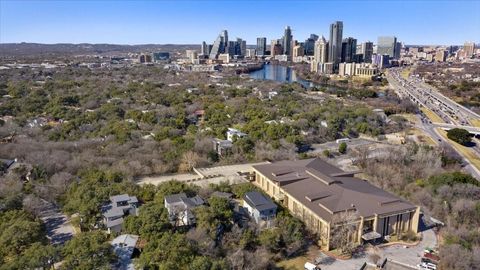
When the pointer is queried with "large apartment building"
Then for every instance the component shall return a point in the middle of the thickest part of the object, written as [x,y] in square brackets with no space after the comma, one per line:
[319,194]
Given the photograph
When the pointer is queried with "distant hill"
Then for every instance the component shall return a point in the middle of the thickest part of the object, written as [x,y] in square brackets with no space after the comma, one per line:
[36,49]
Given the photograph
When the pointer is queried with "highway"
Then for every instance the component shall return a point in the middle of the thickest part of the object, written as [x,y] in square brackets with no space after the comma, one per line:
[454,114]
[427,96]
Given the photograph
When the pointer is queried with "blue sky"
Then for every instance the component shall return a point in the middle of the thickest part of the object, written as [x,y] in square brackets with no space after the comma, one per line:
[189,22]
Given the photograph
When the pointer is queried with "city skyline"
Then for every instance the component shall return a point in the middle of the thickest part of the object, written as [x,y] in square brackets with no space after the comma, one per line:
[146,22]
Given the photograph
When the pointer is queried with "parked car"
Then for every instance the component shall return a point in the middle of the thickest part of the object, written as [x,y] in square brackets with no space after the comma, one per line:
[310,266]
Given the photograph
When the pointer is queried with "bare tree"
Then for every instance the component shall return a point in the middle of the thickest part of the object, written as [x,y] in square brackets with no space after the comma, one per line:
[343,231]
[189,161]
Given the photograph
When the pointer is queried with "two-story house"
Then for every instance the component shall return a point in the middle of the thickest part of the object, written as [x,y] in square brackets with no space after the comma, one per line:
[180,207]
[119,207]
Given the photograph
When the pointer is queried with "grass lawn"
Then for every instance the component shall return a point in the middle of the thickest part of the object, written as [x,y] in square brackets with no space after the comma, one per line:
[475,122]
[432,116]
[467,152]
[423,138]
[296,263]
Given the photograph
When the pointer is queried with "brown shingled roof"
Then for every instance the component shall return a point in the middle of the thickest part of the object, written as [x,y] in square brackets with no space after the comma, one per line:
[326,189]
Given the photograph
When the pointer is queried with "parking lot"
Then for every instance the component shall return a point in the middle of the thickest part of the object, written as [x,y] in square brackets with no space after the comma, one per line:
[205,176]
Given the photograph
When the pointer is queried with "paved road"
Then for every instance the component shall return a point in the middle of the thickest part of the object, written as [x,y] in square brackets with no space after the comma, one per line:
[409,256]
[58,226]
[428,128]
[424,98]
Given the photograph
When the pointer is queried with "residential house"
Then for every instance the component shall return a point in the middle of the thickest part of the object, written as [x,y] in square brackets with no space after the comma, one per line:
[232,133]
[180,207]
[119,207]
[321,194]
[124,247]
[259,207]
[222,147]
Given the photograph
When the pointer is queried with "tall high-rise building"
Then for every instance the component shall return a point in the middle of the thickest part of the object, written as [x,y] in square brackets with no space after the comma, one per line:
[276,47]
[367,51]
[236,47]
[321,51]
[239,47]
[441,55]
[204,49]
[398,49]
[310,44]
[192,55]
[220,44]
[261,46]
[250,53]
[335,42]
[287,41]
[388,46]
[469,49]
[349,49]
[298,51]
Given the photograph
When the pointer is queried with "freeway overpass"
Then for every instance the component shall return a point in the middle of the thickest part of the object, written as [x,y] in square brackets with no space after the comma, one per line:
[473,130]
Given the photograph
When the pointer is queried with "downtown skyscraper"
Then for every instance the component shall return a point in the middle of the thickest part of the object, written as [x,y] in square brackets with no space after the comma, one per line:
[387,46]
[220,44]
[335,42]
[321,51]
[309,44]
[261,46]
[287,41]
[367,51]
[349,49]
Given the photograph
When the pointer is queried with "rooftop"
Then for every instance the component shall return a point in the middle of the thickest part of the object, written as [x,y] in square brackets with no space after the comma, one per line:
[181,198]
[326,189]
[259,201]
[123,198]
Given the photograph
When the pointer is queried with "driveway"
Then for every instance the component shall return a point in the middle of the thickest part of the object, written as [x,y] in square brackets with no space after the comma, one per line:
[58,226]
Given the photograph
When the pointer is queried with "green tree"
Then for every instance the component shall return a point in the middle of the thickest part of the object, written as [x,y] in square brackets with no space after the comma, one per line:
[151,221]
[216,216]
[88,250]
[240,189]
[450,179]
[270,239]
[459,135]
[171,251]
[18,230]
[248,240]
[88,195]
[342,148]
[38,256]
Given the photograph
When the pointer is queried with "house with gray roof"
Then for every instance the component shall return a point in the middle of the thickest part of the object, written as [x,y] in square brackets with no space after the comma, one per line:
[222,147]
[119,207]
[124,247]
[259,207]
[180,207]
[320,194]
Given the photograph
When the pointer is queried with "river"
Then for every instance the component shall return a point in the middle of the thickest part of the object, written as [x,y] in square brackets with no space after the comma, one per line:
[279,73]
